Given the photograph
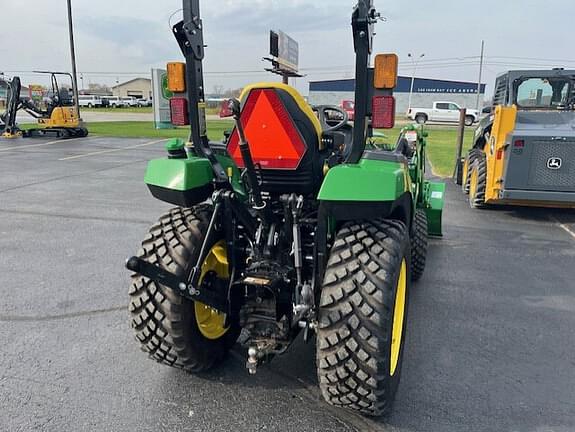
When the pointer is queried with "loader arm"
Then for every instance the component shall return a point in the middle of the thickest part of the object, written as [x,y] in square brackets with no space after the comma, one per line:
[12,106]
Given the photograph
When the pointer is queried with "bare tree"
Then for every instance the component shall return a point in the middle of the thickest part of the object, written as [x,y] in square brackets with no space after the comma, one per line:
[219,90]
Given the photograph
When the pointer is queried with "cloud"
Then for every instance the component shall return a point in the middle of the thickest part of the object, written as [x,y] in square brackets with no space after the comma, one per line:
[134,35]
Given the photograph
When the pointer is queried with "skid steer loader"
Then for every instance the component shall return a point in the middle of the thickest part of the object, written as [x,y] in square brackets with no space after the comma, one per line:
[295,224]
[524,152]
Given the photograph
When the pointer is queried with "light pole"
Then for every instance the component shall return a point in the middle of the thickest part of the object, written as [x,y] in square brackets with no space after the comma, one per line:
[73,57]
[415,64]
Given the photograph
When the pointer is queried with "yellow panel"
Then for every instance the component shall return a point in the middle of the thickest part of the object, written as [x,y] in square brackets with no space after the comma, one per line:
[304,106]
[385,71]
[177,77]
[65,117]
[503,125]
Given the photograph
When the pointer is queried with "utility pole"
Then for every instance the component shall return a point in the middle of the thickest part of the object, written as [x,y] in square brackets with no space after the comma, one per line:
[73,57]
[480,75]
[415,64]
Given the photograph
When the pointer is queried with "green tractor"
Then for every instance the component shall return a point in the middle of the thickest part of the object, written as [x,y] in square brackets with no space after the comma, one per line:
[296,224]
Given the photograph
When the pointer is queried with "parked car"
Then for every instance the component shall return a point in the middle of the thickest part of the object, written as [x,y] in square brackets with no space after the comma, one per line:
[90,101]
[130,101]
[115,101]
[349,107]
[144,102]
[442,112]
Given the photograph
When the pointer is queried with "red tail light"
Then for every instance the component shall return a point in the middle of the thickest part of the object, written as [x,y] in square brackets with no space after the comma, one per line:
[275,142]
[179,111]
[383,112]
[499,154]
[519,144]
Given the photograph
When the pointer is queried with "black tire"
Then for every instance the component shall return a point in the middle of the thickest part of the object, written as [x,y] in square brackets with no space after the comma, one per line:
[419,244]
[421,119]
[90,105]
[477,195]
[165,323]
[356,316]
[467,165]
[469,120]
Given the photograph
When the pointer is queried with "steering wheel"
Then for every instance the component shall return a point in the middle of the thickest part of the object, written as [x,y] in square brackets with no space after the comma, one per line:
[322,111]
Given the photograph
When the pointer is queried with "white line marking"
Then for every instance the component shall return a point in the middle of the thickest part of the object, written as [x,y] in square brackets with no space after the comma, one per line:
[564,227]
[112,151]
[62,141]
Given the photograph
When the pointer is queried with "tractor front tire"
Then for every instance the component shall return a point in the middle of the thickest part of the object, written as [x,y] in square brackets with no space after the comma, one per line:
[478,182]
[362,316]
[168,326]
[419,244]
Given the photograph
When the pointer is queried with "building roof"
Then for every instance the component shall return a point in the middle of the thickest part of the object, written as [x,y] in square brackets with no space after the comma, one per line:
[421,85]
[131,81]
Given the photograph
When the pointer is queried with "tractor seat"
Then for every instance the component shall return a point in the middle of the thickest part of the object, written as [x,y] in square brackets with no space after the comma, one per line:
[285,139]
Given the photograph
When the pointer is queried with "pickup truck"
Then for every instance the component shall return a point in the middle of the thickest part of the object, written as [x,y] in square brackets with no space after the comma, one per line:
[442,112]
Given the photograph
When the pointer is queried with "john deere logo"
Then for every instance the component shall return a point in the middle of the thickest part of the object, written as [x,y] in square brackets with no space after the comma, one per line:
[554,163]
[165,91]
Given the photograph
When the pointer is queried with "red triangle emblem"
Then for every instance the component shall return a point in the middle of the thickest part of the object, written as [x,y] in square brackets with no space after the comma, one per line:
[275,142]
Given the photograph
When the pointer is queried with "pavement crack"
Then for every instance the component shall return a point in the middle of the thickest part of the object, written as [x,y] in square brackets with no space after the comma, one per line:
[39,318]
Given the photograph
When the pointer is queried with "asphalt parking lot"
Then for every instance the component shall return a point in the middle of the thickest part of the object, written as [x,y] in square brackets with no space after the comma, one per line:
[490,344]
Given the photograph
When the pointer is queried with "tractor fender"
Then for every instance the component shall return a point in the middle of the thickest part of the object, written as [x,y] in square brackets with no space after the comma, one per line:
[367,181]
[188,181]
[181,182]
[369,189]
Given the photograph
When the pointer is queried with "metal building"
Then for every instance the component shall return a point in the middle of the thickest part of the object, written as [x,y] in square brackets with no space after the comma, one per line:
[138,87]
[425,92]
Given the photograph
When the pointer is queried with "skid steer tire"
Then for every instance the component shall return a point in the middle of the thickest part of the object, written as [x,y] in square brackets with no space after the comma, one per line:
[419,244]
[478,182]
[364,296]
[467,165]
[165,324]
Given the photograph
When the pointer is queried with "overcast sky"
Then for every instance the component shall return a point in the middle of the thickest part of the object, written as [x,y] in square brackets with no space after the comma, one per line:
[120,39]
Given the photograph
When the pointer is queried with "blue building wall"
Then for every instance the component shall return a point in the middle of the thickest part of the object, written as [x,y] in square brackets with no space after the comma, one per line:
[425,92]
[421,85]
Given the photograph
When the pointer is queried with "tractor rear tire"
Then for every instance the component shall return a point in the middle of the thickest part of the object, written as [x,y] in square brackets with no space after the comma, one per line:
[478,182]
[364,298]
[467,165]
[419,244]
[166,324]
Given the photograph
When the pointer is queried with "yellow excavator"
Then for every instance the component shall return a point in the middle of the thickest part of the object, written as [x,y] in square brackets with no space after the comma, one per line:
[58,115]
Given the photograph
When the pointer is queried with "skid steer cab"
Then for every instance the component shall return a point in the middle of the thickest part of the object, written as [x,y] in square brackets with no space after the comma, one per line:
[524,152]
[297,222]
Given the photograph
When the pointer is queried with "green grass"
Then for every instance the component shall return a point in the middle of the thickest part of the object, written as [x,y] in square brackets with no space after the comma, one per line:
[440,148]
[216,130]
